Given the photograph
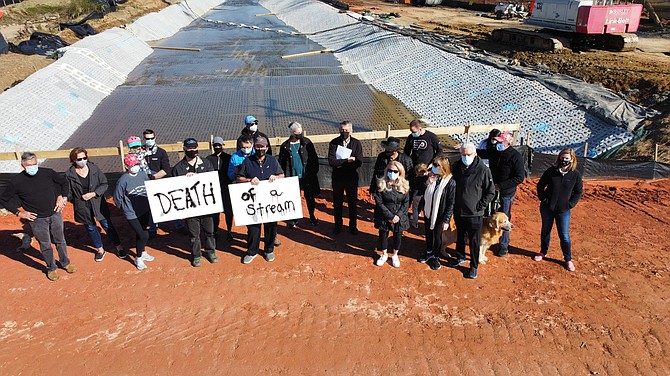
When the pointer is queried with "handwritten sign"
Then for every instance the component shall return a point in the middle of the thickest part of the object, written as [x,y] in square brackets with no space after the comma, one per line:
[184,197]
[266,202]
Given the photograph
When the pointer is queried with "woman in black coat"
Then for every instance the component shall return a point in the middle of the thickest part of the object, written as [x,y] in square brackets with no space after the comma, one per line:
[391,206]
[438,207]
[297,157]
[559,190]
[87,187]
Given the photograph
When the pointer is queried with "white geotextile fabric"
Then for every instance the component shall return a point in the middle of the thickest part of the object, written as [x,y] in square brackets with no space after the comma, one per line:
[446,89]
[44,110]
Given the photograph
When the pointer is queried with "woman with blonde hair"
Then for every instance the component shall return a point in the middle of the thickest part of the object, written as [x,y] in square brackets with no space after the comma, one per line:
[438,207]
[559,190]
[391,206]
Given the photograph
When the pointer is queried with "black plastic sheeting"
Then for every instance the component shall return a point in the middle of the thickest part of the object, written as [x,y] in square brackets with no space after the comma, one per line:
[39,44]
[606,169]
[4,47]
[81,28]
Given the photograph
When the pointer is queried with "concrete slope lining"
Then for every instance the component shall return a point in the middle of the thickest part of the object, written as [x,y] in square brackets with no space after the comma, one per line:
[44,110]
[446,89]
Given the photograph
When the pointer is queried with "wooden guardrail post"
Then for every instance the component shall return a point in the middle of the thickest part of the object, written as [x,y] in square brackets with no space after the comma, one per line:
[586,149]
[121,154]
[528,139]
[655,152]
[467,132]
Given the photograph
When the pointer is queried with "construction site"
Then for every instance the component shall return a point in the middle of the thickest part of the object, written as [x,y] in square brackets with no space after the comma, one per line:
[596,79]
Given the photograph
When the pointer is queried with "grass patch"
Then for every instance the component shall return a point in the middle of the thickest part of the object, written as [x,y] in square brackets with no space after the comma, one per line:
[67,10]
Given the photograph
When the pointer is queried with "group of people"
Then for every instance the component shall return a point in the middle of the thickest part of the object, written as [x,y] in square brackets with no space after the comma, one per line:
[419,176]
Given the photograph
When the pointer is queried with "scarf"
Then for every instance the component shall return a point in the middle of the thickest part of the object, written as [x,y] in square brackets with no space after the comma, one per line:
[433,197]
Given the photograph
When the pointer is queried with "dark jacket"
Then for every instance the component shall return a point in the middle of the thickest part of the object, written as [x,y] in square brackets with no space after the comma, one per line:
[423,149]
[258,133]
[254,168]
[383,161]
[36,194]
[220,163]
[388,204]
[310,165]
[97,182]
[474,188]
[506,167]
[343,169]
[158,161]
[182,167]
[445,208]
[559,192]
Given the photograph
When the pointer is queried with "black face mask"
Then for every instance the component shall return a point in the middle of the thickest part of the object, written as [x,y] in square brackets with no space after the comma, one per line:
[344,134]
[298,136]
[563,163]
[191,153]
[260,153]
[218,149]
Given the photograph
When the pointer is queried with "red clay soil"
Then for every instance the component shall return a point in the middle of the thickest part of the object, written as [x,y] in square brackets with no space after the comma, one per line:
[322,307]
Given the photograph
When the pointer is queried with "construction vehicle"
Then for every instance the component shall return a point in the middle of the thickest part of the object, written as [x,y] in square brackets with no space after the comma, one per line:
[578,24]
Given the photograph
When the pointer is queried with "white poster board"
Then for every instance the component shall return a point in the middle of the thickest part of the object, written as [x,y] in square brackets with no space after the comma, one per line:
[266,202]
[184,196]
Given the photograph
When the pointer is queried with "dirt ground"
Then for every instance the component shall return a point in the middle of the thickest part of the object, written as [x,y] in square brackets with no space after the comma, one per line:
[323,307]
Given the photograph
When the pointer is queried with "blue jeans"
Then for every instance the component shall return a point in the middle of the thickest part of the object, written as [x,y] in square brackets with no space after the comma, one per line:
[94,233]
[506,207]
[562,225]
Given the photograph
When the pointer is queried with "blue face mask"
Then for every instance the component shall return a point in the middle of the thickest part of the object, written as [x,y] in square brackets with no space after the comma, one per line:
[416,134]
[135,169]
[500,147]
[435,170]
[393,175]
[150,143]
[467,159]
[31,170]
[247,151]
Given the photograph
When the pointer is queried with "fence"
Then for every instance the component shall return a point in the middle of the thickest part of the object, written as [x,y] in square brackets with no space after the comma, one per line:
[121,150]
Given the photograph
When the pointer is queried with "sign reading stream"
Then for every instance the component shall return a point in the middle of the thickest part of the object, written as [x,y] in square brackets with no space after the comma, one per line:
[184,197]
[266,202]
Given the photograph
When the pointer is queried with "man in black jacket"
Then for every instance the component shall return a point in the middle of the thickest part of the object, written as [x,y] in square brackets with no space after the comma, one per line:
[42,194]
[422,145]
[345,174]
[190,165]
[251,129]
[158,163]
[297,157]
[508,172]
[474,190]
[220,161]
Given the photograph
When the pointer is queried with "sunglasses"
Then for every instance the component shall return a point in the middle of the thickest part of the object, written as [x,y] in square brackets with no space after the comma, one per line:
[149,138]
[82,159]
[394,171]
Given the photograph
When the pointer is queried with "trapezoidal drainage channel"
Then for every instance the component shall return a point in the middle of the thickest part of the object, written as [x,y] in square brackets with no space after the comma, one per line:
[237,72]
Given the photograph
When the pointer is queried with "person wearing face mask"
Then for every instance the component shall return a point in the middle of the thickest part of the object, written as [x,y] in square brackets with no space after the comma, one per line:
[297,157]
[559,190]
[220,160]
[421,145]
[438,207]
[345,175]
[191,165]
[508,172]
[391,153]
[130,196]
[87,187]
[42,194]
[135,147]
[260,166]
[488,144]
[391,206]
[474,191]
[251,129]
[244,150]
[158,165]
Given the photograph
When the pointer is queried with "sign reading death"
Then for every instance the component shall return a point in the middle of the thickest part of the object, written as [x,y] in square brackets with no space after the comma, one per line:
[184,196]
[266,202]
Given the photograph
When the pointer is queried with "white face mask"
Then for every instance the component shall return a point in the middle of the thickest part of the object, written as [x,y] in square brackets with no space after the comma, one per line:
[253,128]
[135,169]
[467,159]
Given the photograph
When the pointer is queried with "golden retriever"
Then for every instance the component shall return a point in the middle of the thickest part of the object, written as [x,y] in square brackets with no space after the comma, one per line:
[492,230]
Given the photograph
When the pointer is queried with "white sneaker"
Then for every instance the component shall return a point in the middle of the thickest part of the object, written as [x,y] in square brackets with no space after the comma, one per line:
[140,264]
[395,261]
[146,256]
[382,259]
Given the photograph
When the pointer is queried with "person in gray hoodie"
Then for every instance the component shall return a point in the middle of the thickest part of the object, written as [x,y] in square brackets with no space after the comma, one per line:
[130,195]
